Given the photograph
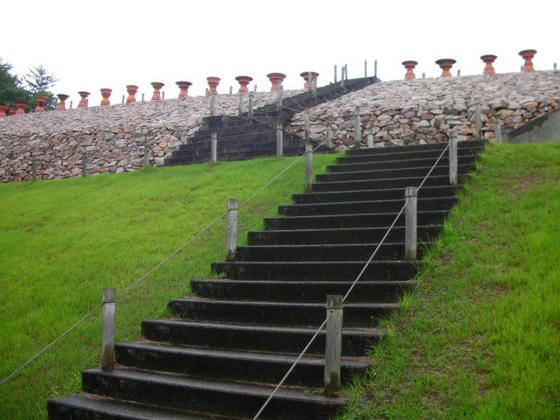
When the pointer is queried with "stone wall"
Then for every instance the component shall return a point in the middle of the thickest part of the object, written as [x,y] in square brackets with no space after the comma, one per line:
[425,110]
[112,136]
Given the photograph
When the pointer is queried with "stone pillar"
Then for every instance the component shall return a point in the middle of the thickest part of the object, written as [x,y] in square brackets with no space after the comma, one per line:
[309,83]
[183,89]
[131,90]
[409,65]
[446,64]
[157,87]
[528,57]
[62,102]
[276,80]
[213,83]
[84,101]
[243,82]
[41,102]
[105,93]
[489,59]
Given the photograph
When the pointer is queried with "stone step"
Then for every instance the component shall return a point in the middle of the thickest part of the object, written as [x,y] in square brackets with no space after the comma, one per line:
[212,397]
[234,156]
[389,153]
[324,252]
[373,194]
[277,313]
[251,337]
[316,270]
[338,236]
[440,169]
[400,182]
[301,291]
[396,164]
[232,365]
[94,407]
[415,147]
[323,221]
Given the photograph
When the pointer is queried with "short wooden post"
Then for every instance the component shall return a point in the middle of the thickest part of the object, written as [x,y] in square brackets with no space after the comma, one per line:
[498,130]
[162,95]
[375,68]
[459,73]
[279,140]
[122,102]
[251,99]
[554,67]
[453,158]
[241,101]
[34,169]
[370,140]
[214,147]
[341,76]
[231,241]
[365,68]
[346,71]
[84,164]
[142,98]
[333,345]
[146,155]
[279,97]
[308,165]
[329,137]
[108,332]
[255,88]
[71,104]
[213,103]
[231,90]
[335,73]
[357,128]
[410,237]
[306,124]
[478,118]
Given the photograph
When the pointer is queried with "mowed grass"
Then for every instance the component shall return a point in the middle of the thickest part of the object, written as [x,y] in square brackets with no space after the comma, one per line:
[480,337]
[62,241]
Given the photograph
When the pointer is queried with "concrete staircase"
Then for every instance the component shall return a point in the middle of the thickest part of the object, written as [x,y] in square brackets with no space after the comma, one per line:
[228,346]
[241,137]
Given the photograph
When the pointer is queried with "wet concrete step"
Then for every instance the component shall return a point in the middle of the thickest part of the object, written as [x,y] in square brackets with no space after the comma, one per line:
[383,154]
[232,365]
[301,291]
[383,183]
[253,337]
[212,397]
[316,270]
[415,147]
[277,313]
[338,236]
[396,164]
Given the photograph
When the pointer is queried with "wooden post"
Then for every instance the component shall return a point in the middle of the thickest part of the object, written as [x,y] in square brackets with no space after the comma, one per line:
[279,140]
[329,137]
[162,96]
[333,344]
[231,90]
[341,76]
[108,332]
[71,104]
[142,98]
[231,241]
[214,147]
[478,118]
[84,164]
[459,73]
[308,165]
[251,98]
[410,237]
[365,68]
[554,66]
[241,100]
[498,130]
[34,169]
[370,141]
[307,124]
[346,72]
[213,103]
[122,102]
[335,75]
[255,88]
[357,128]
[279,97]
[146,155]
[453,158]
[375,68]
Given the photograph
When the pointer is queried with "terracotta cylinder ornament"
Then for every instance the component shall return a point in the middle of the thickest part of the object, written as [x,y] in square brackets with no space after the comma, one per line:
[243,82]
[157,87]
[105,93]
[3,109]
[446,64]
[489,59]
[409,65]
[41,102]
[62,102]
[131,90]
[528,57]
[21,107]
[213,83]
[309,83]
[183,89]
[276,80]
[84,101]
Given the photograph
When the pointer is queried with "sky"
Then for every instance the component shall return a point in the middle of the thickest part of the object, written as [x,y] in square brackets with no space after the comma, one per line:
[89,45]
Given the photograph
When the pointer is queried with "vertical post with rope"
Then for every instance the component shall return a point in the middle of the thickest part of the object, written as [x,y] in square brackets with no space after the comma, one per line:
[279,140]
[34,169]
[231,242]
[478,118]
[333,345]
[365,68]
[370,141]
[146,155]
[241,102]
[410,236]
[250,111]
[357,128]
[84,164]
[498,129]
[335,75]
[108,332]
[213,103]
[214,147]
[329,137]
[375,68]
[308,165]
[453,158]
[279,98]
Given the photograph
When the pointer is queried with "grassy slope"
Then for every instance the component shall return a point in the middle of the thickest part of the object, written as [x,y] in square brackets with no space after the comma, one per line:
[62,241]
[480,338]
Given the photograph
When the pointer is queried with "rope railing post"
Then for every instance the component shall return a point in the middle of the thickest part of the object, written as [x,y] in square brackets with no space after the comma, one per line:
[341,76]
[214,147]
[231,242]
[108,332]
[279,97]
[498,129]
[357,128]
[346,72]
[478,118]
[333,345]
[329,137]
[213,103]
[146,155]
[365,68]
[307,125]
[453,158]
[335,75]
[308,165]
[370,141]
[34,169]
[84,164]
[410,236]
[279,140]
[251,99]
[375,68]
[241,102]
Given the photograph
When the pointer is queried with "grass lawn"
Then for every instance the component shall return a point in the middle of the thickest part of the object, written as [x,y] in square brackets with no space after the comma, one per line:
[62,241]
[480,337]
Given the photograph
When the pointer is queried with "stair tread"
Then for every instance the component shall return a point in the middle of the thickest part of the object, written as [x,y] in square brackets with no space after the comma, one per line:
[250,303]
[393,200]
[342,229]
[396,161]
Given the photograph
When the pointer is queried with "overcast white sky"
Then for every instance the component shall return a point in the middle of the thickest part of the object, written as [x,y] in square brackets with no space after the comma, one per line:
[90,45]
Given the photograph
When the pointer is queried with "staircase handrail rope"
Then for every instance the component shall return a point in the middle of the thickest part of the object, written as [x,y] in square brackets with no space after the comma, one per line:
[142,278]
[312,339]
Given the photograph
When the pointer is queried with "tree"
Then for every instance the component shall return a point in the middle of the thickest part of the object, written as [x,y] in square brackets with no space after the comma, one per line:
[38,80]
[7,80]
[10,89]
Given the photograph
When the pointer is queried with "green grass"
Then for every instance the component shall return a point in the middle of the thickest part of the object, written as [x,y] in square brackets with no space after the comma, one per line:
[62,241]
[480,337]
